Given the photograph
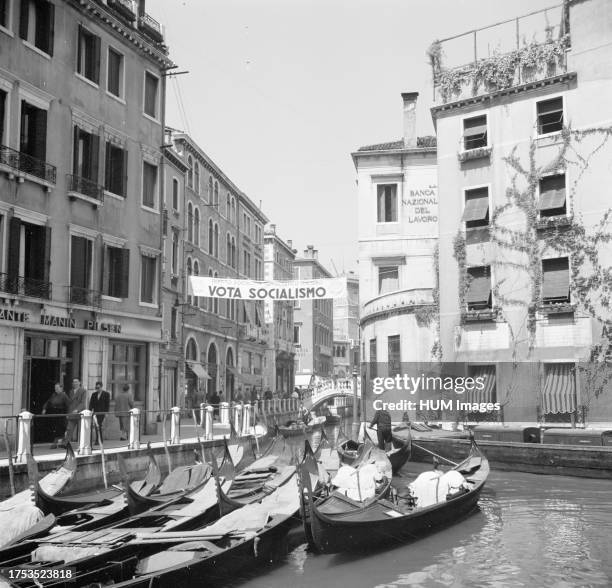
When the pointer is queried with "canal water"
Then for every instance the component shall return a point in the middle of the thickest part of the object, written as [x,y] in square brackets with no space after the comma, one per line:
[530,530]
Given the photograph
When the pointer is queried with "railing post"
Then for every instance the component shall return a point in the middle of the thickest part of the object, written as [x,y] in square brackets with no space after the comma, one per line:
[202,413]
[134,436]
[224,413]
[85,433]
[246,419]
[24,436]
[175,426]
[208,422]
[238,418]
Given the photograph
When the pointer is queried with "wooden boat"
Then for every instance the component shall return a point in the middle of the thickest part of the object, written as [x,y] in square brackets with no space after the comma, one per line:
[332,417]
[294,428]
[317,422]
[338,524]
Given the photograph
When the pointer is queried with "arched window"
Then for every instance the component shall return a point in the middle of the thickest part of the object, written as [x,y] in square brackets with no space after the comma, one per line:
[228,250]
[211,237]
[190,223]
[209,301]
[227,207]
[210,189]
[234,252]
[216,194]
[196,179]
[189,273]
[191,350]
[216,300]
[216,240]
[196,272]
[196,227]
[190,171]
[175,194]
[233,210]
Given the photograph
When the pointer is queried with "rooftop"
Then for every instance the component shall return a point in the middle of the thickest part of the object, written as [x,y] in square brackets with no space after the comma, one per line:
[427,142]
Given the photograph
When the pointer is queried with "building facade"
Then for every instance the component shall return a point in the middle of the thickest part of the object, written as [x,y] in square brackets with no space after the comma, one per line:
[313,324]
[80,199]
[398,231]
[278,265]
[346,330]
[523,160]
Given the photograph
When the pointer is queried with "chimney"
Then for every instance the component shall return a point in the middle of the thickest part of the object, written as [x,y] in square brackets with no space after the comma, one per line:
[290,243]
[410,100]
[310,252]
[273,229]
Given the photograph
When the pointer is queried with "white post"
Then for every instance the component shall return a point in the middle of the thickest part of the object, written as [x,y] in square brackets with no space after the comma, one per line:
[24,436]
[85,433]
[238,418]
[246,419]
[202,413]
[134,436]
[175,426]
[224,413]
[208,422]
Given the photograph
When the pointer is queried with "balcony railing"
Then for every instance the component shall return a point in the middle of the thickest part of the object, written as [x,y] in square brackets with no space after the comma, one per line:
[151,28]
[79,185]
[27,164]
[396,301]
[25,286]
[127,8]
[84,296]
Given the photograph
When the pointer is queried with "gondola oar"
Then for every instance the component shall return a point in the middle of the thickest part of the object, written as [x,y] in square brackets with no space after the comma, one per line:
[103,459]
[9,455]
[195,424]
[166,442]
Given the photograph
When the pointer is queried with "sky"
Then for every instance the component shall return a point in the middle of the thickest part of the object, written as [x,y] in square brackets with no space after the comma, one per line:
[280,93]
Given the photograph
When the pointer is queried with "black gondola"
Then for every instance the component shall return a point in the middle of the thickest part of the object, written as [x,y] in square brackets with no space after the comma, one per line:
[338,524]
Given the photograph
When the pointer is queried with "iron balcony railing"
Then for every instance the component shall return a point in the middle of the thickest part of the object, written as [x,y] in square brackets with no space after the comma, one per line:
[26,163]
[25,286]
[126,8]
[84,296]
[151,27]
[86,187]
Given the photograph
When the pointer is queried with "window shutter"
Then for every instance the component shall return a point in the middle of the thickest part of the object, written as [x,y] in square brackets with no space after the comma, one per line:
[79,65]
[75,151]
[13,246]
[125,273]
[78,262]
[50,27]
[124,172]
[23,129]
[94,157]
[2,110]
[24,12]
[47,253]
[96,60]
[40,135]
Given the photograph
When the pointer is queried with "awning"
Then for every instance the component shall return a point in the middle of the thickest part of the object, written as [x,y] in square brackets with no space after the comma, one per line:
[479,291]
[550,106]
[559,394]
[476,206]
[552,192]
[258,320]
[247,311]
[486,393]
[303,380]
[199,371]
[555,279]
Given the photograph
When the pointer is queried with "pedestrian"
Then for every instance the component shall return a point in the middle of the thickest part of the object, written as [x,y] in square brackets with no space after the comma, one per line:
[214,400]
[124,402]
[268,394]
[295,394]
[254,395]
[382,420]
[58,403]
[78,397]
[238,396]
[99,403]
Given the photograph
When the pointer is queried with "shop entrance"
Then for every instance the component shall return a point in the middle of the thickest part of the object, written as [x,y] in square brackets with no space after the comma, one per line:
[48,359]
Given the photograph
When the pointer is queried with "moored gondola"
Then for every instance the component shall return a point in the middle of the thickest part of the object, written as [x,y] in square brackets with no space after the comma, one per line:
[338,524]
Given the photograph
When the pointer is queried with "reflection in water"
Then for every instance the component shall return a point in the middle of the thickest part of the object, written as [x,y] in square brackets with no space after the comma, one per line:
[530,530]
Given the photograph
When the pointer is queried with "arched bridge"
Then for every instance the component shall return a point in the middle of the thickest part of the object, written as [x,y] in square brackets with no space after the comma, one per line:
[326,389]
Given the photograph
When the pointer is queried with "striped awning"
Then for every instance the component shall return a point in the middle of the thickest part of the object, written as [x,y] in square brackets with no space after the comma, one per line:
[552,192]
[486,392]
[559,394]
[476,205]
[555,283]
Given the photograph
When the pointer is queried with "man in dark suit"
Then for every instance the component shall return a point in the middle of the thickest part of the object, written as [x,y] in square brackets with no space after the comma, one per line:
[99,403]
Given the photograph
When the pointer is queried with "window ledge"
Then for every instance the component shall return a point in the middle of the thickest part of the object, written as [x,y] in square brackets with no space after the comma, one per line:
[87,80]
[554,222]
[20,176]
[115,97]
[151,118]
[113,195]
[78,196]
[36,49]
[556,308]
[550,138]
[7,31]
[111,298]
[478,153]
[484,315]
[149,209]
[147,304]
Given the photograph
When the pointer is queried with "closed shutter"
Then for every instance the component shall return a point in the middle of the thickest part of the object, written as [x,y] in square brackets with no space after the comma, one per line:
[13,252]
[124,170]
[94,157]
[556,279]
[47,254]
[39,138]
[75,152]
[78,259]
[24,12]
[95,66]
[125,273]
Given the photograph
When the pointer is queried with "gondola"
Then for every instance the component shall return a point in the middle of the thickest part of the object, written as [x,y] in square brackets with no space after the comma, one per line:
[338,524]
[293,429]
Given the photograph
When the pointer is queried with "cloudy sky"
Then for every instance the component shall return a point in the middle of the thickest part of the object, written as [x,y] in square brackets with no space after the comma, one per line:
[280,92]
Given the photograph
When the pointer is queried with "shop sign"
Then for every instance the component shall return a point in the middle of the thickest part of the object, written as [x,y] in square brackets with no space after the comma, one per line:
[51,320]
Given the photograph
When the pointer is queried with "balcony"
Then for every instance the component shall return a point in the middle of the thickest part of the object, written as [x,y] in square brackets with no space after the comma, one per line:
[24,163]
[126,8]
[23,286]
[464,67]
[84,296]
[253,333]
[150,27]
[398,302]
[84,189]
[479,315]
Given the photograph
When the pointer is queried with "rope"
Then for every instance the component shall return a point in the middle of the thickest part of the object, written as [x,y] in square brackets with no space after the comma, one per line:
[434,454]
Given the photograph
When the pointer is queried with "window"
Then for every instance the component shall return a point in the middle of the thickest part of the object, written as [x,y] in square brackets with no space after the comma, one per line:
[196,227]
[173,323]
[175,194]
[210,189]
[86,152]
[196,177]
[475,132]
[233,216]
[114,78]
[190,172]
[175,253]
[33,136]
[476,211]
[151,88]
[246,263]
[148,272]
[127,365]
[216,194]
[296,335]
[190,223]
[116,272]
[81,259]
[373,359]
[388,279]
[550,115]
[227,207]
[216,300]
[196,272]
[233,264]
[393,355]
[478,295]
[149,185]
[228,250]
[216,240]
[88,55]
[482,394]
[36,20]
[555,280]
[552,196]
[387,203]
[189,272]
[3,96]
[211,237]
[115,173]
[4,13]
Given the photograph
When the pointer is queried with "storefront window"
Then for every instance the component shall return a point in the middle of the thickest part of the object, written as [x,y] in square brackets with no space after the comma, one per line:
[128,362]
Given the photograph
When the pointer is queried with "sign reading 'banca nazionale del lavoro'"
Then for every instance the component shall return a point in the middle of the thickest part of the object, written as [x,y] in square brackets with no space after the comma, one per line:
[269,290]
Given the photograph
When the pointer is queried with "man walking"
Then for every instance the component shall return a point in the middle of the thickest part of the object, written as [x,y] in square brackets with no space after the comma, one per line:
[78,396]
[382,419]
[99,403]
[123,404]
